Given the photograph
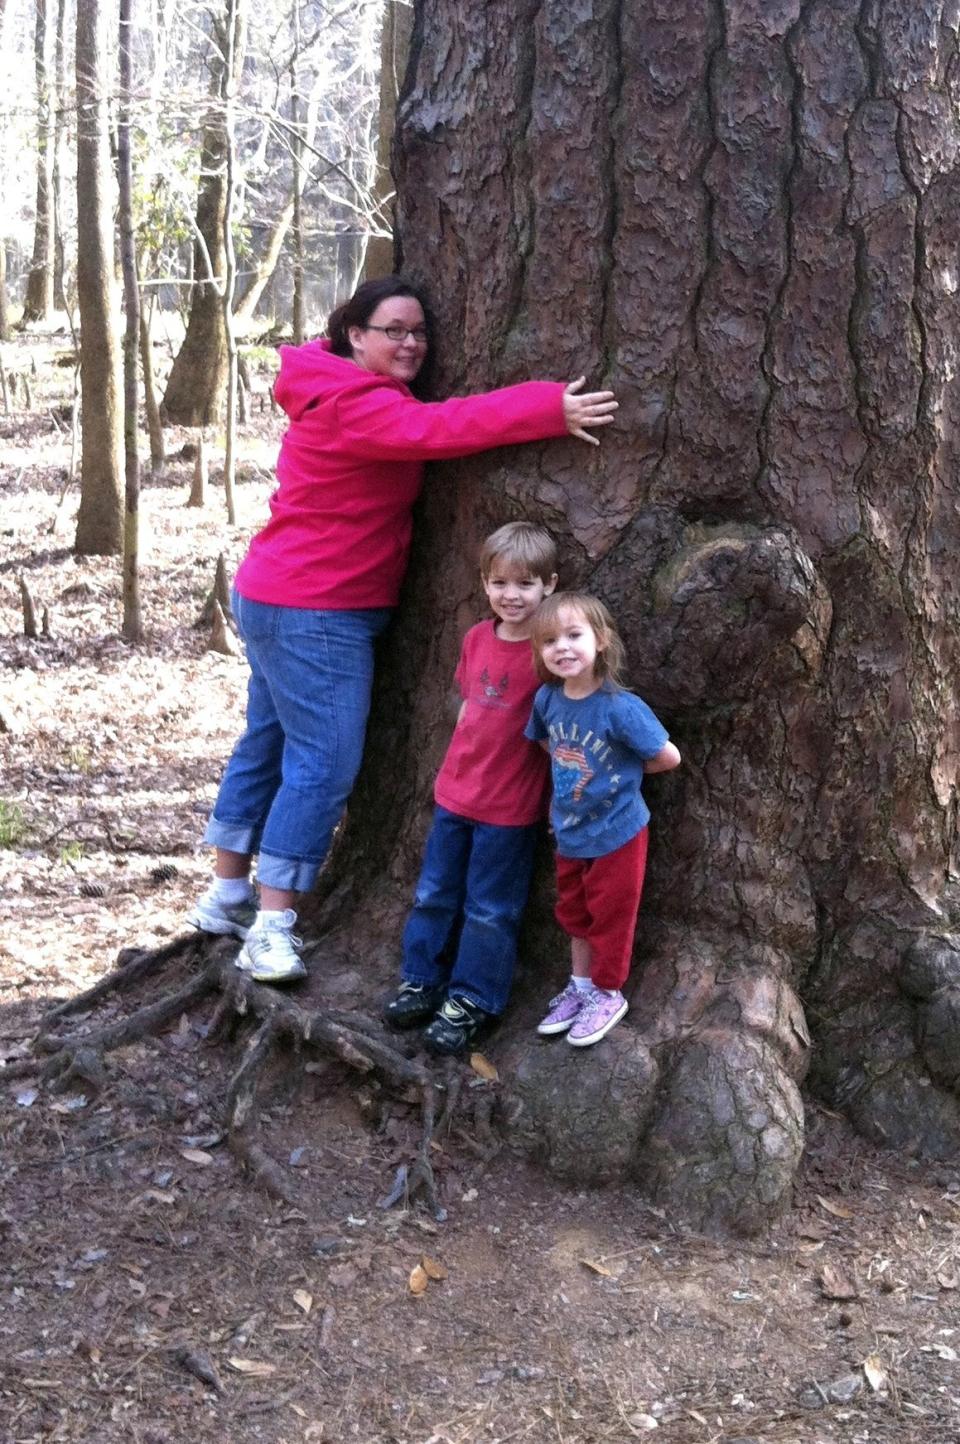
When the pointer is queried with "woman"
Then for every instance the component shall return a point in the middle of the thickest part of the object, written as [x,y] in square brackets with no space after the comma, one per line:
[318,585]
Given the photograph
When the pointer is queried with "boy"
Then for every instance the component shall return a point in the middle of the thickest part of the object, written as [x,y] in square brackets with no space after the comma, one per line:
[490,794]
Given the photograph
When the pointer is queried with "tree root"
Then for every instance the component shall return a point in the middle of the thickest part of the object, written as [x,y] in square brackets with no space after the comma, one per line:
[282,1024]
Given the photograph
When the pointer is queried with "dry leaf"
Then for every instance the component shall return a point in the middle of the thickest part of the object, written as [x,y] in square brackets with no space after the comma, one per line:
[484,1068]
[432,1268]
[197,1155]
[160,1195]
[255,1368]
[839,1210]
[947,1281]
[303,1300]
[834,1284]
[418,1280]
[876,1374]
[597,1268]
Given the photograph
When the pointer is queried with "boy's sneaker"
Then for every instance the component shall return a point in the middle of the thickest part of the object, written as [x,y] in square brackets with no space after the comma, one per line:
[208,915]
[565,1008]
[601,1012]
[458,1023]
[271,953]
[412,1004]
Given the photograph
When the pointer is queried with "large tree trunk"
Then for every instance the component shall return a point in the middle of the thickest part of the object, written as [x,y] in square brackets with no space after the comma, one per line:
[100,521]
[743,216]
[195,386]
[38,302]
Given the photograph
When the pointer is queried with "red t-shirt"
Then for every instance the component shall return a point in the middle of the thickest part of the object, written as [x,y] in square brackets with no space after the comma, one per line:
[491,772]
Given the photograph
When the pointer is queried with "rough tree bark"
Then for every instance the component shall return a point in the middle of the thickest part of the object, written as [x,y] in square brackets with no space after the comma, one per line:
[743,216]
[100,520]
[195,386]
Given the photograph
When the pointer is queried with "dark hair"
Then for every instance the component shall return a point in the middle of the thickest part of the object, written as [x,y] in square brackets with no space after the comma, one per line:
[361,306]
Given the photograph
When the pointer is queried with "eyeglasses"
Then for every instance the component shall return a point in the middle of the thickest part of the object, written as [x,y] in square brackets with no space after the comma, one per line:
[396,332]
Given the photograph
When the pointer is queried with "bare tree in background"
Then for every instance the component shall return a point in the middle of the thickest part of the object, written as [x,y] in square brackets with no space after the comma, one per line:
[39,298]
[194,392]
[132,627]
[100,520]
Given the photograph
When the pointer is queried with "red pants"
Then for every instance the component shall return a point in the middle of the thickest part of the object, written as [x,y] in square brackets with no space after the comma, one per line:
[598,899]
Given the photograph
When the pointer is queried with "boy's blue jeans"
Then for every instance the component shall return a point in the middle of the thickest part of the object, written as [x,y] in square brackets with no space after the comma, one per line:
[480,873]
[290,775]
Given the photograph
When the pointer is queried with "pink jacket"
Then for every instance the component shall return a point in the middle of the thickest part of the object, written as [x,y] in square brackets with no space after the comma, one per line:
[350,469]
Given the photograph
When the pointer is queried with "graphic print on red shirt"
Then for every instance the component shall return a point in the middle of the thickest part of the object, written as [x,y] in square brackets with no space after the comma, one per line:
[491,772]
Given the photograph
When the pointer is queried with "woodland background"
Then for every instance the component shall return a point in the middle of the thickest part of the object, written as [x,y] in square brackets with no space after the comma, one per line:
[596,186]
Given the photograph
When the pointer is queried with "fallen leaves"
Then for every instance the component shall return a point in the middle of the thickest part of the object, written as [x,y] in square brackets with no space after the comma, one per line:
[875,1374]
[839,1210]
[484,1068]
[835,1284]
[597,1268]
[253,1368]
[197,1155]
[421,1275]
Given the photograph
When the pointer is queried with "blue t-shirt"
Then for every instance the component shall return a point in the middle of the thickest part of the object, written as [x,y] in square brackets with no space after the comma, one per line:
[598,745]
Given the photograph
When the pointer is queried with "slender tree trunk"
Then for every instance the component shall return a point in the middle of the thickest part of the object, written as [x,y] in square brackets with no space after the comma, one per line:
[229,258]
[394,51]
[744,217]
[59,147]
[296,155]
[38,303]
[265,266]
[132,616]
[150,399]
[4,298]
[100,521]
[195,386]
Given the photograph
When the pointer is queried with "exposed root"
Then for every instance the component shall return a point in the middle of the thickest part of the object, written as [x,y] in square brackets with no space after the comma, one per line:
[133,966]
[282,1025]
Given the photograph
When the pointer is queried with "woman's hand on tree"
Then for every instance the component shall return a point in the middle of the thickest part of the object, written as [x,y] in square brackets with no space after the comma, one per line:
[587,408]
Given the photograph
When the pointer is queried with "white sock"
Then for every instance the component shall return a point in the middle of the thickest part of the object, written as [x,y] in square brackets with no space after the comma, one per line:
[582,985]
[282,918]
[230,890]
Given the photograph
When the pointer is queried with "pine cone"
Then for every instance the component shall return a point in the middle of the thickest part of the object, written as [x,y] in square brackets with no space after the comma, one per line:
[92,889]
[166,872]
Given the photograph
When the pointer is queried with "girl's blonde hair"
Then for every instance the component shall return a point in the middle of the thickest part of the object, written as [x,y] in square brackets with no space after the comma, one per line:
[611,654]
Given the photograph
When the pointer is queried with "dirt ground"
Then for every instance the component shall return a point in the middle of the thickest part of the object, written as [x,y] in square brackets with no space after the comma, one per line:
[151,1294]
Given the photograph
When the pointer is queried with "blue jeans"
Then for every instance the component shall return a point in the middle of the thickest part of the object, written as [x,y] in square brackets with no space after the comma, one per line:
[479,875]
[293,769]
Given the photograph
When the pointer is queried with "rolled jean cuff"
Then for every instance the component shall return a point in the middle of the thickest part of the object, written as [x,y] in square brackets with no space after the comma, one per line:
[293,874]
[240,837]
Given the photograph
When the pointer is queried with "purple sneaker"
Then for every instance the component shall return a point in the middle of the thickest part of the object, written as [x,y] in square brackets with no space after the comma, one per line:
[564,1009]
[601,1012]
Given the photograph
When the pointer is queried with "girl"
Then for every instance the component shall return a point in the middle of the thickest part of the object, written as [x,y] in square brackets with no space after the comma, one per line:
[601,741]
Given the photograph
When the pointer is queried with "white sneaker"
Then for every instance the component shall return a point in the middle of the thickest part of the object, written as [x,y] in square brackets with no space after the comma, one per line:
[271,953]
[209,915]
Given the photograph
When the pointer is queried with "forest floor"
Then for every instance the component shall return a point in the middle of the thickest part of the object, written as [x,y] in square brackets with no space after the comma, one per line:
[135,1255]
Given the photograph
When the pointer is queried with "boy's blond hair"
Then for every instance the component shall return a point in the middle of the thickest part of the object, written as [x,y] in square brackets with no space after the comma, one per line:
[520,544]
[611,653]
